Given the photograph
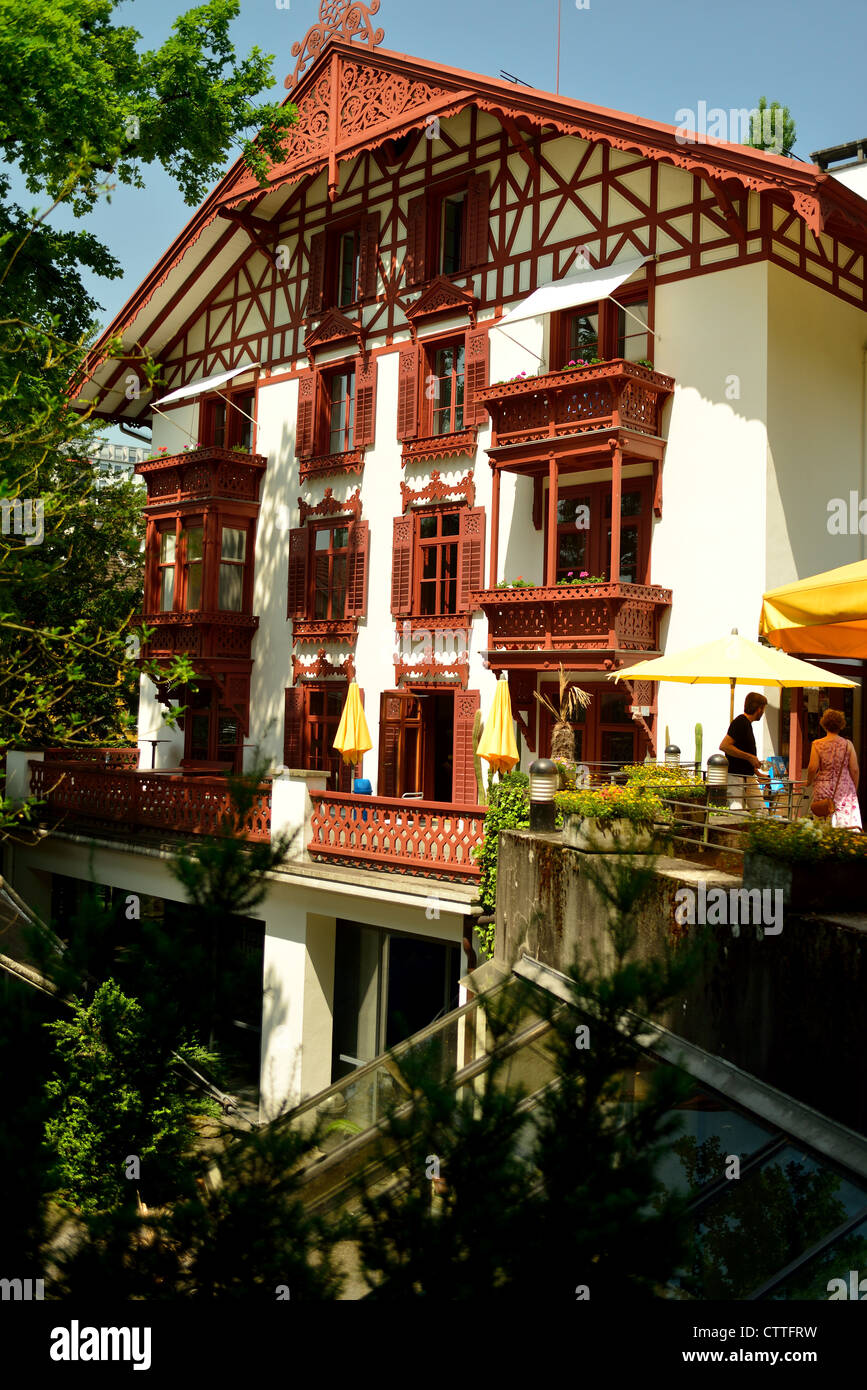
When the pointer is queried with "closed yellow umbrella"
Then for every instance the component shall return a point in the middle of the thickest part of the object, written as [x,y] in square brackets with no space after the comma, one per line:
[497,745]
[352,739]
[730,660]
[825,615]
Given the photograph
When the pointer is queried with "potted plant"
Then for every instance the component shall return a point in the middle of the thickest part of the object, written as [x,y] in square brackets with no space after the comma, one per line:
[571,699]
[816,866]
[684,793]
[611,819]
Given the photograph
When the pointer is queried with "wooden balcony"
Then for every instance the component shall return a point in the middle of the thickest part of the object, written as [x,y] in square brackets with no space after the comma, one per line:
[199,635]
[431,838]
[590,626]
[207,472]
[612,395]
[81,793]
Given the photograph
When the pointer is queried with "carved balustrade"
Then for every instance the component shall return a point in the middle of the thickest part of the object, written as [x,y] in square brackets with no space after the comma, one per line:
[587,617]
[611,395]
[199,634]
[431,838]
[187,805]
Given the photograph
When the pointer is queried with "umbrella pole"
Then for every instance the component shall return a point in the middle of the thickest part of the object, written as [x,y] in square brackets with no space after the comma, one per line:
[733,681]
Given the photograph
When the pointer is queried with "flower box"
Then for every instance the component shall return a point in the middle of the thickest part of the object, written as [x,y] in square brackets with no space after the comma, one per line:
[820,885]
[619,836]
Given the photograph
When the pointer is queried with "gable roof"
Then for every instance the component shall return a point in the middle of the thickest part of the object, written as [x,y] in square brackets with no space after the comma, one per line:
[353,98]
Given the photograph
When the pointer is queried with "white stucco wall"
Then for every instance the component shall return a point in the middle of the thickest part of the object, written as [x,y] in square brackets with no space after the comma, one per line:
[709,546]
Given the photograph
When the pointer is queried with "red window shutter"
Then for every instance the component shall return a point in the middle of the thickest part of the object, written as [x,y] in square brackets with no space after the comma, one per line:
[416,237]
[464,788]
[368,268]
[299,545]
[471,556]
[293,728]
[407,393]
[365,402]
[401,574]
[478,218]
[357,566]
[316,274]
[391,707]
[475,375]
[305,426]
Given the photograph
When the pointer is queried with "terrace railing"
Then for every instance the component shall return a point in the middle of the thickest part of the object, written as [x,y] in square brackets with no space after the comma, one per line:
[187,805]
[433,838]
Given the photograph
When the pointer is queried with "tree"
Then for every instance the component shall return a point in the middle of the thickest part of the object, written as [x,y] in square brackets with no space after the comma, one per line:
[772,128]
[84,107]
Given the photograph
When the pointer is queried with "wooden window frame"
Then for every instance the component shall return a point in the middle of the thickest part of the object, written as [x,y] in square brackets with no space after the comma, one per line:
[327,377]
[297,742]
[431,347]
[436,197]
[406,562]
[599,492]
[235,422]
[609,314]
[420,546]
[214,711]
[212,521]
[330,524]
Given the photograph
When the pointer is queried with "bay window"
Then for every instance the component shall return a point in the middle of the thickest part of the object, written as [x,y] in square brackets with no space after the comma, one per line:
[233,559]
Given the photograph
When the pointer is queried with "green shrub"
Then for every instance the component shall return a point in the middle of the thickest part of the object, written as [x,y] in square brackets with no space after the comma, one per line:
[117,1093]
[508,809]
[666,779]
[806,841]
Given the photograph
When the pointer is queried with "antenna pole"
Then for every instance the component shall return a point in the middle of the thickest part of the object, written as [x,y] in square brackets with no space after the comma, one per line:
[559,13]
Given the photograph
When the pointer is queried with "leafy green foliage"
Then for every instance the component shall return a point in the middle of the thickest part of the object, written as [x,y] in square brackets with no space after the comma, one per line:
[116,1094]
[508,809]
[772,128]
[634,803]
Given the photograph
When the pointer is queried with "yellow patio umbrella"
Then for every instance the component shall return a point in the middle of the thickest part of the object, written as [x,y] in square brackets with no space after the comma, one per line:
[497,745]
[353,736]
[825,615]
[730,660]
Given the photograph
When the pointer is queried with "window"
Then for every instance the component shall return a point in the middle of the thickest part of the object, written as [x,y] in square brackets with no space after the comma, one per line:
[341,412]
[584,531]
[346,258]
[437,551]
[343,264]
[453,214]
[233,558]
[603,329]
[312,715]
[226,420]
[213,732]
[446,388]
[191,542]
[330,554]
[167,572]
[437,560]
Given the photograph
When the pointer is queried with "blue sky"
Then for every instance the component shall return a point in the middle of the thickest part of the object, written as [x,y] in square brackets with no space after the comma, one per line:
[646,59]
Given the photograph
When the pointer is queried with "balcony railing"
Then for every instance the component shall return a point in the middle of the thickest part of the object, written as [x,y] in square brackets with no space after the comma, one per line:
[119,758]
[612,395]
[197,633]
[573,618]
[432,838]
[202,473]
[187,805]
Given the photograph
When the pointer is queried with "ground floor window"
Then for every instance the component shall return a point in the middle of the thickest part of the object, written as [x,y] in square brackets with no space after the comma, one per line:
[605,731]
[387,986]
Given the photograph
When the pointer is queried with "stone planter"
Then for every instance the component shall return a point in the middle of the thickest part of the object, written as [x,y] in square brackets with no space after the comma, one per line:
[824,885]
[607,837]
[692,809]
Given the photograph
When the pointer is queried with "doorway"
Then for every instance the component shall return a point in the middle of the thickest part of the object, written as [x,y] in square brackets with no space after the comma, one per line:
[605,731]
[416,744]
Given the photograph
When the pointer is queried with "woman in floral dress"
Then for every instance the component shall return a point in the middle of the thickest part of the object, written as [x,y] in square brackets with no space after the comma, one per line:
[833,763]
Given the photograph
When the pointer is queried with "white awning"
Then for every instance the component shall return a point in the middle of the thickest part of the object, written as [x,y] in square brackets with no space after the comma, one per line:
[583,288]
[209,383]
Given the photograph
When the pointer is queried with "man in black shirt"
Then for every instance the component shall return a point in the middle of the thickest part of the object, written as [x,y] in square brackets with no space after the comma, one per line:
[739,746]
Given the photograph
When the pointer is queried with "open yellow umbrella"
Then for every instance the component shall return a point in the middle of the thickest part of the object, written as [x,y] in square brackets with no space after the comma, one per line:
[497,745]
[825,615]
[730,660]
[352,739]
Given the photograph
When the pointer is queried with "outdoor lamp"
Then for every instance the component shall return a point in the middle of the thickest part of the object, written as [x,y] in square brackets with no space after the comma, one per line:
[672,753]
[543,785]
[717,778]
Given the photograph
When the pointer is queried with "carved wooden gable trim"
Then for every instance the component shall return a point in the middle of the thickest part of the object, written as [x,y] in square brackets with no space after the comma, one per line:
[439,490]
[442,297]
[334,327]
[331,506]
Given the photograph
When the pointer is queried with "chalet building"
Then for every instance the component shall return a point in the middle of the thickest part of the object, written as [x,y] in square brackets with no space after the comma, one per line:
[374,461]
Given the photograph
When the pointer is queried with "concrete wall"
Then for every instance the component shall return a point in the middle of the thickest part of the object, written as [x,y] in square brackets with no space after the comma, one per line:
[788,1008]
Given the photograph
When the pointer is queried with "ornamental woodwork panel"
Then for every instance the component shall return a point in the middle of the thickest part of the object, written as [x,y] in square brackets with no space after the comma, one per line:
[439,490]
[322,666]
[331,506]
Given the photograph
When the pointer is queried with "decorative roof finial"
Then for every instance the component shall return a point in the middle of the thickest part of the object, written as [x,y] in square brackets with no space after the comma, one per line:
[343,19]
